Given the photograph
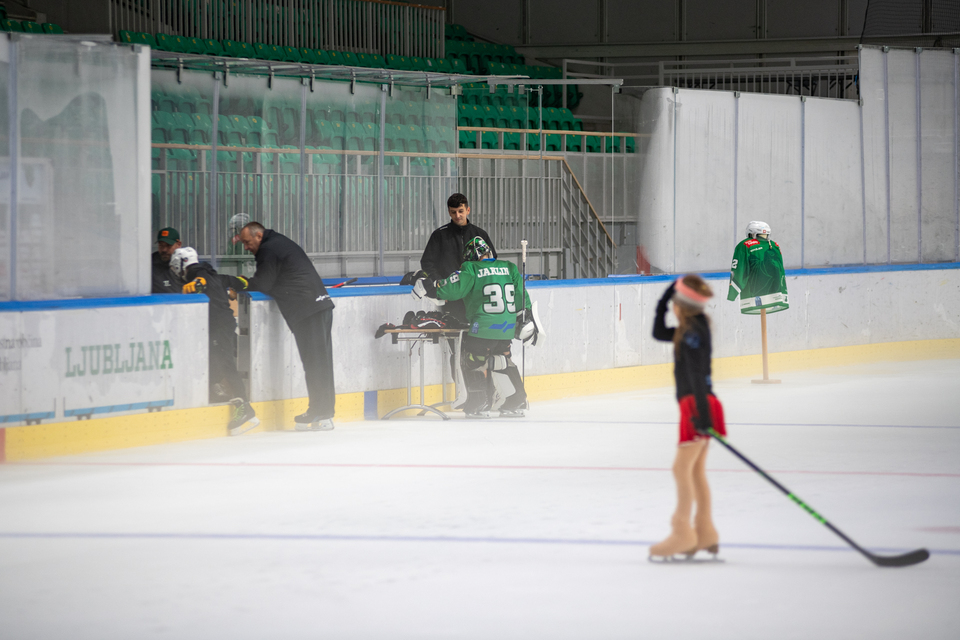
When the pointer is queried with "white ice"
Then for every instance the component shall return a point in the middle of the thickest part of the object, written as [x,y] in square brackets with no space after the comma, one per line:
[534,528]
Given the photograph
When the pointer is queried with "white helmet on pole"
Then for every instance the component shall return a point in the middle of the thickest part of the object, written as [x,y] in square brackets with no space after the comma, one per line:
[181,259]
[756,228]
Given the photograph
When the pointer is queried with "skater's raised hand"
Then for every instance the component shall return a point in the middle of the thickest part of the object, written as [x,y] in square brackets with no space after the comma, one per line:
[667,295]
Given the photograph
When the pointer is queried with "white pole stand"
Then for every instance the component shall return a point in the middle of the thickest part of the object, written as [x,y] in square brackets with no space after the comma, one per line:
[766,369]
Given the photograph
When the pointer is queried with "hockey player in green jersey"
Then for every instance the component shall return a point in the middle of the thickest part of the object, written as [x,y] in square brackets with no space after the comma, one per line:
[489,289]
[756,274]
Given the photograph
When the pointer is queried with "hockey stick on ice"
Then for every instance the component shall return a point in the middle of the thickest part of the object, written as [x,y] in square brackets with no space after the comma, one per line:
[905,560]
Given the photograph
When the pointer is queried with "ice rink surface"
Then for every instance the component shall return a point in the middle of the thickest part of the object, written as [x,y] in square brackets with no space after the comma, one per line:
[533,528]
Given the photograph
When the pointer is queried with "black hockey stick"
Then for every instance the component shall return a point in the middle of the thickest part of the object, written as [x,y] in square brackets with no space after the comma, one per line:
[905,560]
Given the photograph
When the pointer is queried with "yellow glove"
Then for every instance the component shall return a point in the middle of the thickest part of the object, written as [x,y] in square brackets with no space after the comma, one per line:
[244,281]
[195,286]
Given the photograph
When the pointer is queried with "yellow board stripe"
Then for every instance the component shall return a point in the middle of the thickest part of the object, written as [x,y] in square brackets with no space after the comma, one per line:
[119,432]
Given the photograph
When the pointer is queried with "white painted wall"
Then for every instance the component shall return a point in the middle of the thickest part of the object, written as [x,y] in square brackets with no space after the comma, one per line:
[79,358]
[590,325]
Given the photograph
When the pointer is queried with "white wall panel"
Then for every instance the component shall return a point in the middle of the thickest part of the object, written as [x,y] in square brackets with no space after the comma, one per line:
[938,217]
[902,98]
[833,210]
[874,152]
[655,223]
[704,175]
[768,171]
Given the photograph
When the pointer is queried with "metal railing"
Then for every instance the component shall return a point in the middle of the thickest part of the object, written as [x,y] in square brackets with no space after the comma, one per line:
[821,76]
[367,26]
[338,227]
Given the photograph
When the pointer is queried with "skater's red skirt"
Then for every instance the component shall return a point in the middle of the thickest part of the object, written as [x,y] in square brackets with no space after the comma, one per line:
[688,410]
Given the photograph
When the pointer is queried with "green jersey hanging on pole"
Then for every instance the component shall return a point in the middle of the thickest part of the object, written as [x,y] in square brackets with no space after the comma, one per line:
[756,275]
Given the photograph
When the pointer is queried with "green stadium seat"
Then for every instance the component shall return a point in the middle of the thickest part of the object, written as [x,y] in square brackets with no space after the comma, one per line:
[270,52]
[468,139]
[369,112]
[335,57]
[488,115]
[574,144]
[10,25]
[181,128]
[338,132]
[353,136]
[167,102]
[146,39]
[165,42]
[371,136]
[31,27]
[594,144]
[236,49]
[401,63]
[295,54]
[308,55]
[202,128]
[128,37]
[349,59]
[323,57]
[446,139]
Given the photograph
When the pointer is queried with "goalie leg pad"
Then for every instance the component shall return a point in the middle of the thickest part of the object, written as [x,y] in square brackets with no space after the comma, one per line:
[474,368]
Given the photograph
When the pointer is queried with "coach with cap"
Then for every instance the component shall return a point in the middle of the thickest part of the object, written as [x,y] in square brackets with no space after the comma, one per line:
[164,280]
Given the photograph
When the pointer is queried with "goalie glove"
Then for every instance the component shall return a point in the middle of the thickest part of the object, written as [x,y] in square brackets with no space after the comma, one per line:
[424,287]
[528,325]
[412,277]
[197,285]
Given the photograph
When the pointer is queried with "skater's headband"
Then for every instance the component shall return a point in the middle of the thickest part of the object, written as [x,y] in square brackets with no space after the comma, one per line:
[686,294]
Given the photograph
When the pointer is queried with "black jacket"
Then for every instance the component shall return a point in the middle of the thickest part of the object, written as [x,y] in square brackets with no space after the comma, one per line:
[691,369]
[444,252]
[285,273]
[164,280]
[221,315]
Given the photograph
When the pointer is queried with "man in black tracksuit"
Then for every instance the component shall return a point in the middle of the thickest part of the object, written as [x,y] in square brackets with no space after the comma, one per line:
[285,273]
[443,254]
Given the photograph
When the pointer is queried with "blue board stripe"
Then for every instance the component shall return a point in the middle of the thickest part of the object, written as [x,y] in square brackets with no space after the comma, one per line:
[395,289]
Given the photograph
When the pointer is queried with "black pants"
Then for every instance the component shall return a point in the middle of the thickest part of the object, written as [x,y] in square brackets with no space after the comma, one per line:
[316,353]
[223,362]
[475,356]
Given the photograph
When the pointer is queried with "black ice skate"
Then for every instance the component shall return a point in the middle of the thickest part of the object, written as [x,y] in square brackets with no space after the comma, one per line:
[311,421]
[244,418]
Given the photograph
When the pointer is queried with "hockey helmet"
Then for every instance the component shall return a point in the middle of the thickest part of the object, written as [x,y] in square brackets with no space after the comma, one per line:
[181,259]
[756,228]
[475,249]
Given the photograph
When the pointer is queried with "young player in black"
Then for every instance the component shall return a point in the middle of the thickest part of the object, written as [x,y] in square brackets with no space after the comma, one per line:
[699,411]
[200,277]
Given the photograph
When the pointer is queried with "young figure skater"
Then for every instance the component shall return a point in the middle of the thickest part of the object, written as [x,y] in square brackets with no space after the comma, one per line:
[699,411]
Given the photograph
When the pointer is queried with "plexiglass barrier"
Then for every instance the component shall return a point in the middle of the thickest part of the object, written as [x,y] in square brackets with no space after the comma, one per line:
[357,174]
[72,168]
[840,182]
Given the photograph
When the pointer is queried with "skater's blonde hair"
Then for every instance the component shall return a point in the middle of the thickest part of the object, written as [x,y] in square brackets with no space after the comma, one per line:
[686,309]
